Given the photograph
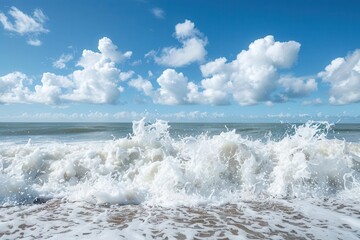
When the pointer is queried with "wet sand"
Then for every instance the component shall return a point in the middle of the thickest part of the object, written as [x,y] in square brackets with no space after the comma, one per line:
[57,219]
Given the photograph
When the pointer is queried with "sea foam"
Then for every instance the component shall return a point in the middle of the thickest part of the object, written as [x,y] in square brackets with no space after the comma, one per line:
[151,167]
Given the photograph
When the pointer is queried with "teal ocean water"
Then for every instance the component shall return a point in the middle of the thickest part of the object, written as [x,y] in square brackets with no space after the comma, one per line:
[66,132]
[163,180]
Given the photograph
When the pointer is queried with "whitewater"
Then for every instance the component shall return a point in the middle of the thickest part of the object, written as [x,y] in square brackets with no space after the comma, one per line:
[162,181]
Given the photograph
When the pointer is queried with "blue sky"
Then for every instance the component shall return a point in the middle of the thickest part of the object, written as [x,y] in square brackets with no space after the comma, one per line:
[238,61]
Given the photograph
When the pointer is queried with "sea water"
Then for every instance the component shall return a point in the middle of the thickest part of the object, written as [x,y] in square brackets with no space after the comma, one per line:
[165,180]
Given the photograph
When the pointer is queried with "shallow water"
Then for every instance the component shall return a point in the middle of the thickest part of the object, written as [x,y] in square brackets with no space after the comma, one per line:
[180,181]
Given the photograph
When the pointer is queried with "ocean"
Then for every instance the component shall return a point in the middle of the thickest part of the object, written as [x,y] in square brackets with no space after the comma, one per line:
[161,180]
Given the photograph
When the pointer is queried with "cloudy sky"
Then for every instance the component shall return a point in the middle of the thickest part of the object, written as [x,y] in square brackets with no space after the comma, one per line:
[239,61]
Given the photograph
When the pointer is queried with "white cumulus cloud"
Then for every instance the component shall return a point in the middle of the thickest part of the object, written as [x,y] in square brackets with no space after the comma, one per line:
[343,75]
[173,88]
[24,24]
[142,84]
[185,30]
[192,49]
[110,51]
[251,77]
[51,89]
[97,81]
[297,86]
[13,88]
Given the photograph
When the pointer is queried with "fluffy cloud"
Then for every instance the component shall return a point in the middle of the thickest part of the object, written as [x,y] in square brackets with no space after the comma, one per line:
[251,77]
[343,75]
[173,88]
[13,88]
[61,62]
[185,30]
[97,80]
[51,90]
[24,24]
[142,84]
[297,87]
[192,50]
[110,51]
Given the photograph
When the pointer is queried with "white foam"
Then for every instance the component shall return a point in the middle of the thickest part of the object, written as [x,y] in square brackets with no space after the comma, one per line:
[150,167]
[270,219]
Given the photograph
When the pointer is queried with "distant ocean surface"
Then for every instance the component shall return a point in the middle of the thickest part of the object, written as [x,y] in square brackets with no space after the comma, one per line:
[74,132]
[165,180]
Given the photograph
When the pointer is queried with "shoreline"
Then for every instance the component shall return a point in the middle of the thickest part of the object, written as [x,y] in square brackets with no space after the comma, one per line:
[269,219]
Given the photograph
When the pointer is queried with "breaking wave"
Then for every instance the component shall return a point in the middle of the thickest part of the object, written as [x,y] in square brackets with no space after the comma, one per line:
[151,167]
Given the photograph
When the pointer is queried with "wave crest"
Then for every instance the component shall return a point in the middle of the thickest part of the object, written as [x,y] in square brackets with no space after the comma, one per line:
[149,166]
